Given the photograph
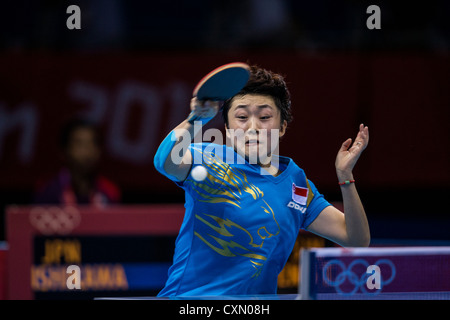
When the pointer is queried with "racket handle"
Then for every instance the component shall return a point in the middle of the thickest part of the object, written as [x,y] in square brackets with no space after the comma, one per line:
[195,117]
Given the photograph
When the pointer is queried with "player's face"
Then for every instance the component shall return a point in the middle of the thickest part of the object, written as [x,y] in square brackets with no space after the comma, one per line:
[83,152]
[255,126]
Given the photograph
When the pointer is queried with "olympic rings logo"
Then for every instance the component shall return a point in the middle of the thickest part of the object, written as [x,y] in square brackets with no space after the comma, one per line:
[357,281]
[55,220]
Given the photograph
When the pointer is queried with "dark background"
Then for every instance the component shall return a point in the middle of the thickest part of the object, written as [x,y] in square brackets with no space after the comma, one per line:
[395,80]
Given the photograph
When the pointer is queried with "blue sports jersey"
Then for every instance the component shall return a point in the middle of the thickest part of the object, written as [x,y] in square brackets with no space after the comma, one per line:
[240,225]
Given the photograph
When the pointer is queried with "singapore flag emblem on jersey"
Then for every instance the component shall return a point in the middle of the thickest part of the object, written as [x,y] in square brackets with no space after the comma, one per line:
[299,194]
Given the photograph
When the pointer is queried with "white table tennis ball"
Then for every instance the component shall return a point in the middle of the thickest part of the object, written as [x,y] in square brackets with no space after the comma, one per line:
[199,173]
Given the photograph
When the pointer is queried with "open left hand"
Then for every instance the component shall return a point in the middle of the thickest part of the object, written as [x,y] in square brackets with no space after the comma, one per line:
[349,154]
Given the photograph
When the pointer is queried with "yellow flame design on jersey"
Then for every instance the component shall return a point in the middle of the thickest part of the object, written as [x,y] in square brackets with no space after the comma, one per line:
[225,184]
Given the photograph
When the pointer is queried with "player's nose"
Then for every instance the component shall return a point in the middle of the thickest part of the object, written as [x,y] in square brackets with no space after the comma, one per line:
[253,125]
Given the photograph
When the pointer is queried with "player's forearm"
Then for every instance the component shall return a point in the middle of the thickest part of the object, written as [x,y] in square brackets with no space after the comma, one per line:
[357,226]
[186,131]
[183,135]
[172,157]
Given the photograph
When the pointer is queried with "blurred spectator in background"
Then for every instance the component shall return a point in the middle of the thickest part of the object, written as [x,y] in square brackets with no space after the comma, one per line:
[79,180]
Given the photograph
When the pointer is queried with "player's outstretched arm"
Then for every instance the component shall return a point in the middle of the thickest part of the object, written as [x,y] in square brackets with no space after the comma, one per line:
[348,228]
[168,159]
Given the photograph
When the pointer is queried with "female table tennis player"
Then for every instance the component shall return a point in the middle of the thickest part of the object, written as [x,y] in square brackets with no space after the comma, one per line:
[242,220]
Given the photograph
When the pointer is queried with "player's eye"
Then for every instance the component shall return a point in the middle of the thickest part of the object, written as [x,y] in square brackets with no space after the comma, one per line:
[265,117]
[242,117]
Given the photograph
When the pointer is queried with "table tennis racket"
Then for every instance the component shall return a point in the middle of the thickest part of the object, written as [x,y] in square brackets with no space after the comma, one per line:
[223,82]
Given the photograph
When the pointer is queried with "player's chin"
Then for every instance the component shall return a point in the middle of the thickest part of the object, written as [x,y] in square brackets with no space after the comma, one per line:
[251,149]
[253,156]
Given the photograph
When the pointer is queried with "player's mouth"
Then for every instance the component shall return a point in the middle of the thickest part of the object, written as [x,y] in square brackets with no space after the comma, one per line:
[252,142]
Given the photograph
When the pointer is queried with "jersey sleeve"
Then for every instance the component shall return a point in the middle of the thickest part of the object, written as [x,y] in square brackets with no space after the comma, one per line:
[316,203]
[164,151]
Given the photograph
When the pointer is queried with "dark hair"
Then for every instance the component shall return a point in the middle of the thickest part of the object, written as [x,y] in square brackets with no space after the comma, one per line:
[268,83]
[74,124]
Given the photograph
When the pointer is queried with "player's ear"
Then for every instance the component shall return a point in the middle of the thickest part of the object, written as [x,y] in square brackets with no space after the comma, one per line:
[283,128]
[227,132]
